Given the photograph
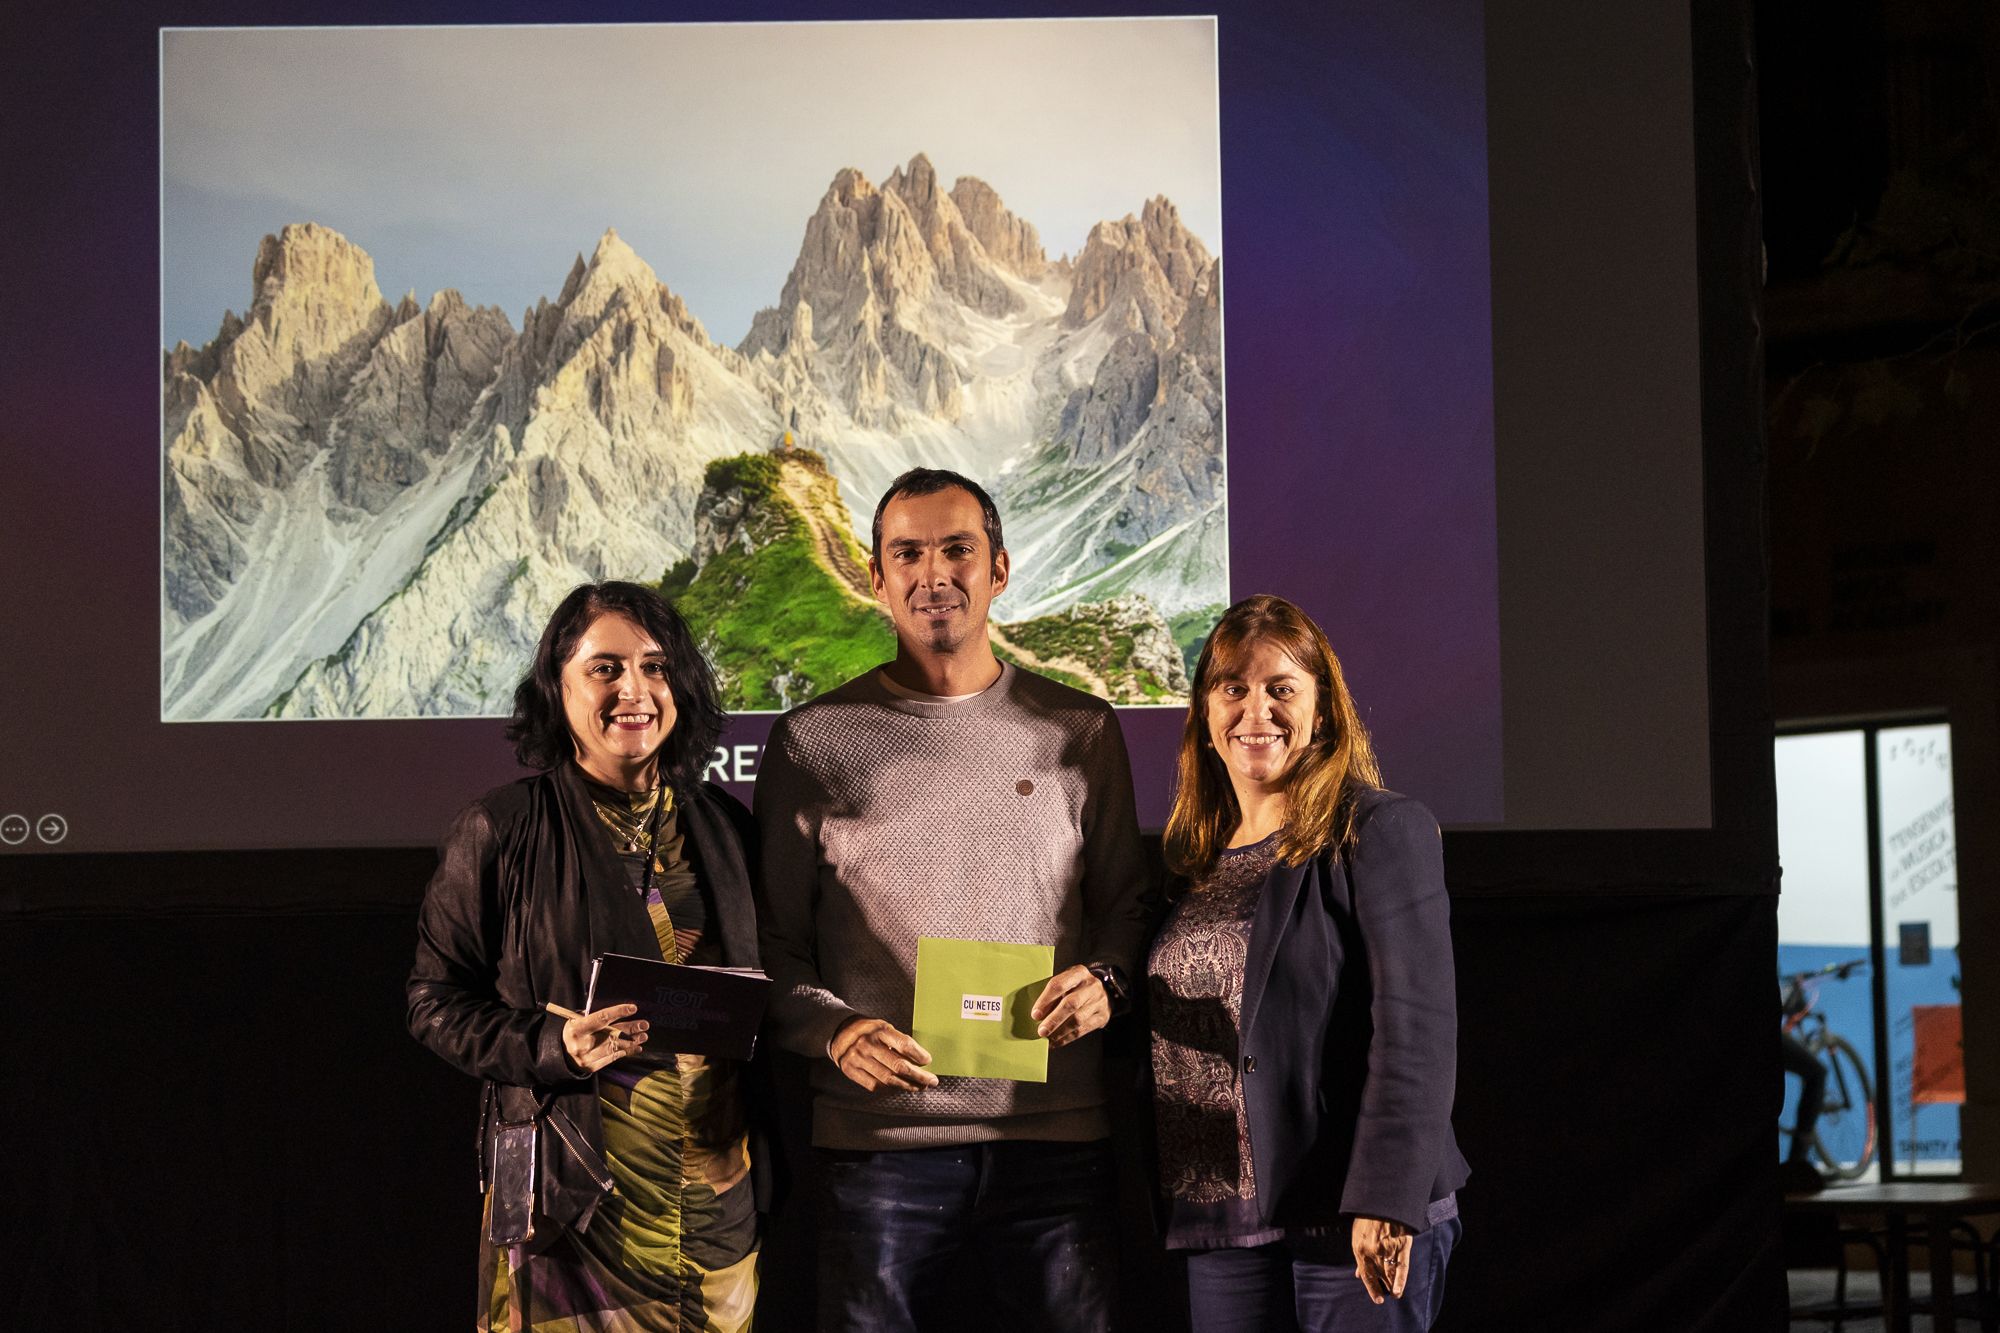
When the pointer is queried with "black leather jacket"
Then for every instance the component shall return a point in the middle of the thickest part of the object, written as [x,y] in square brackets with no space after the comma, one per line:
[527,892]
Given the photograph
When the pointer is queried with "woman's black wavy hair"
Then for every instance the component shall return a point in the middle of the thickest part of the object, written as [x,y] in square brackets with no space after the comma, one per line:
[540,728]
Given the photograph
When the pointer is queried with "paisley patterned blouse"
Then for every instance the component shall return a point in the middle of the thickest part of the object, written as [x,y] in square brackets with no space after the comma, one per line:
[1196,985]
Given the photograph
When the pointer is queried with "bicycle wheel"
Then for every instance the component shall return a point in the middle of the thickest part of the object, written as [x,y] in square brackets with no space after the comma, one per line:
[1844,1135]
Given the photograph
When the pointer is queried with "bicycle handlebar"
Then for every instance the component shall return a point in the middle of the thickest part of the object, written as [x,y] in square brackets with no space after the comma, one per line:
[1838,971]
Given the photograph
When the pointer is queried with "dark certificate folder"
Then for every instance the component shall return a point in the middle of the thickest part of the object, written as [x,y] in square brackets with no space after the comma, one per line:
[692,1010]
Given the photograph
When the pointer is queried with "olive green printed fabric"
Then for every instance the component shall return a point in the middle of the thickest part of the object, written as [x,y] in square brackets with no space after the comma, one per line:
[674,1247]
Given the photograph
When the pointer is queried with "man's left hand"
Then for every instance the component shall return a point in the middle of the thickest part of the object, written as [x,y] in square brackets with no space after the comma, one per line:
[1073,1005]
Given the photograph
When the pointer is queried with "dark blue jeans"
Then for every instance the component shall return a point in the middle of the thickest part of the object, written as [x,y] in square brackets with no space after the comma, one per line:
[1016,1236]
[1310,1287]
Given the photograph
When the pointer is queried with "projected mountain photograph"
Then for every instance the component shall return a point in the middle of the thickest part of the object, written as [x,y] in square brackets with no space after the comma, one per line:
[455,319]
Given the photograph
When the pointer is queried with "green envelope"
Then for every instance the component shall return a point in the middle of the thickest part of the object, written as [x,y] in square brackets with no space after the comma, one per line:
[973,998]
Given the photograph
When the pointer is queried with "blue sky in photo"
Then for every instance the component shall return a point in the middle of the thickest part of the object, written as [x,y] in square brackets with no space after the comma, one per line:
[488,158]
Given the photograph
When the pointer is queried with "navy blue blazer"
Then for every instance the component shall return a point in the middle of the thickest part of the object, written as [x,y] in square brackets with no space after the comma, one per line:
[1350,1028]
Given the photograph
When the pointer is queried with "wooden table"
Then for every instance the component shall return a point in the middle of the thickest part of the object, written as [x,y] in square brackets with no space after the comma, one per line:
[1936,1204]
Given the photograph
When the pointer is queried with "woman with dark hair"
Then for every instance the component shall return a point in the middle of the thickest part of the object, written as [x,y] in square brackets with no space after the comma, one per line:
[1303,1006]
[623,1188]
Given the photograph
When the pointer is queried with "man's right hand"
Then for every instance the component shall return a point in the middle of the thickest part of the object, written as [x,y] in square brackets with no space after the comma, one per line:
[876,1056]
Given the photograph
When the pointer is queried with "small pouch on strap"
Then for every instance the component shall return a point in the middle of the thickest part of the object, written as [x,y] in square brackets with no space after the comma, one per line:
[510,1196]
[510,1166]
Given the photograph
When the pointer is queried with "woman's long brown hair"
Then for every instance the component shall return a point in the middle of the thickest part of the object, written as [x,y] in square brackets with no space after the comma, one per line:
[1322,782]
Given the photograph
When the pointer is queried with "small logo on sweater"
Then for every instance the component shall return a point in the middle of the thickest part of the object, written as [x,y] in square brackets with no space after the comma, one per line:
[984,1008]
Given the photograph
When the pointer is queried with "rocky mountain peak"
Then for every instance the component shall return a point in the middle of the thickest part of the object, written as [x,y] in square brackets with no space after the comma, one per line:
[306,263]
[1181,256]
[916,189]
[963,266]
[613,265]
[1201,326]
[323,369]
[1008,240]
[916,183]
[315,315]
[415,392]
[876,258]
[833,272]
[200,362]
[613,253]
[315,310]
[602,301]
[573,283]
[848,187]
[1143,269]
[615,282]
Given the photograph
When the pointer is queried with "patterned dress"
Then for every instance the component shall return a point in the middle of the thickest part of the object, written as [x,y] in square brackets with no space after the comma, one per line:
[674,1248]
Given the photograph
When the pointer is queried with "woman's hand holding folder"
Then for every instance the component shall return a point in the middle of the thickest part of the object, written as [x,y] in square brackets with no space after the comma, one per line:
[591,1040]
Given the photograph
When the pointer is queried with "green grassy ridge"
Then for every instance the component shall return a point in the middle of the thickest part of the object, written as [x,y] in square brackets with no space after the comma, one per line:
[758,476]
[677,580]
[774,610]
[1107,648]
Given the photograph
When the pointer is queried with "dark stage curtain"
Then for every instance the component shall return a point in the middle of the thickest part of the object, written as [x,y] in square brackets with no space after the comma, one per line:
[215,1118]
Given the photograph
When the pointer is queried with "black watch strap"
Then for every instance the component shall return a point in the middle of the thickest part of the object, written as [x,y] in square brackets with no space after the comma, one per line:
[1116,988]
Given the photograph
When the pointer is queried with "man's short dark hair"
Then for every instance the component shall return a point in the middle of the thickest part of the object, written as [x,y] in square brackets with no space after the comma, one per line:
[921,481]
[540,726]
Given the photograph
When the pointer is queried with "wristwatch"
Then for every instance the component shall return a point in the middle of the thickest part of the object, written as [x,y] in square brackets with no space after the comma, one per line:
[1115,988]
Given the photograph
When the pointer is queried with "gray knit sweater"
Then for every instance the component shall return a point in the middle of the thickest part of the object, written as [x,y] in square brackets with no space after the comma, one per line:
[1006,816]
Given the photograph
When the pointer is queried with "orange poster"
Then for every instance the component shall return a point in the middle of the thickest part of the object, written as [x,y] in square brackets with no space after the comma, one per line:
[1939,1072]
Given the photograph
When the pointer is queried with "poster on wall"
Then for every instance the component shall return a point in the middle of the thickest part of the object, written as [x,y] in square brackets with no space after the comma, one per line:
[455,319]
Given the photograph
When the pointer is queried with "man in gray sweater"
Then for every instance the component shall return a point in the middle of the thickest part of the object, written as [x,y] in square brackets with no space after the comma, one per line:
[948,794]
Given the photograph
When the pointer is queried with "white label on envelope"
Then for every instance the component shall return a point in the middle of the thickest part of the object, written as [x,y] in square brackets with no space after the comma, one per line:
[985,1008]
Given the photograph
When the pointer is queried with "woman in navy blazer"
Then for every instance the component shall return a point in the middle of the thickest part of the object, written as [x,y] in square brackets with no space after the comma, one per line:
[1303,1004]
